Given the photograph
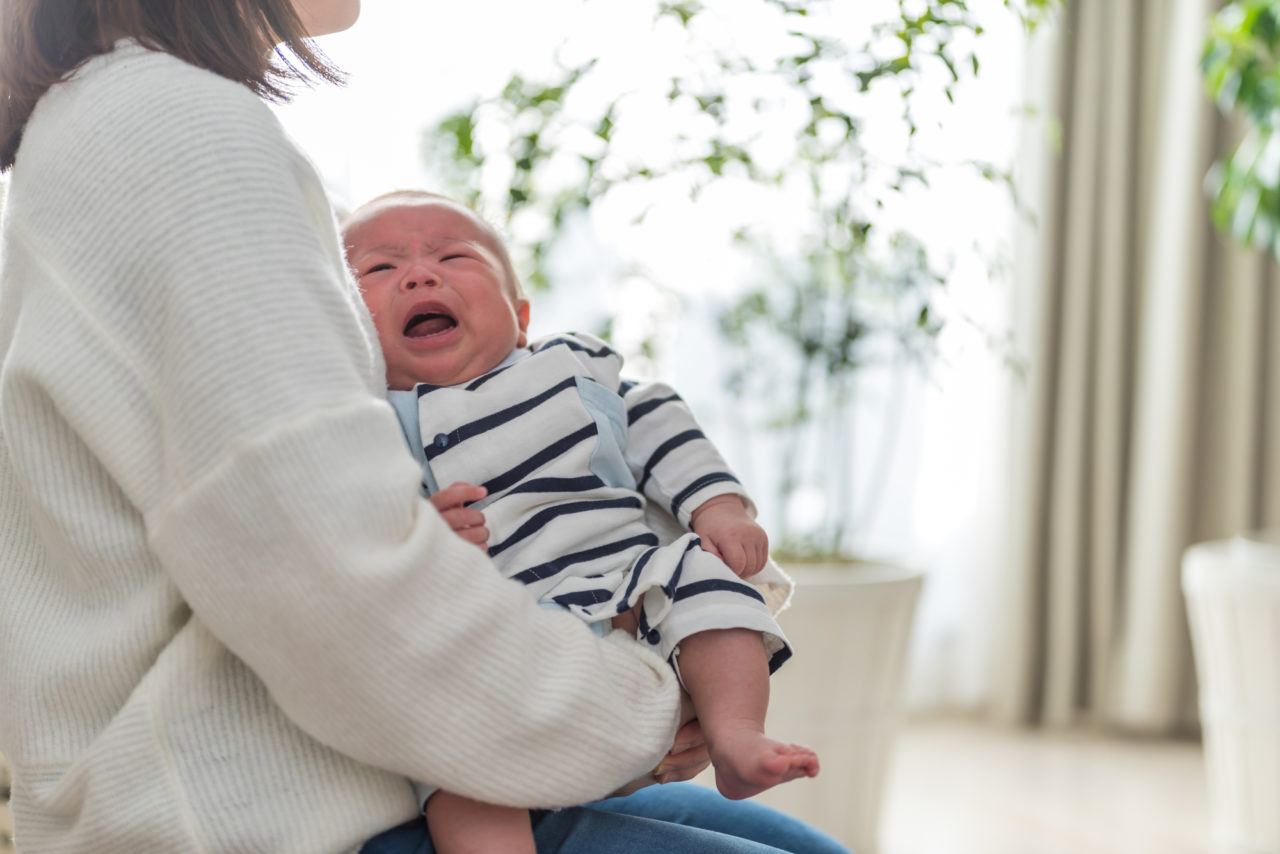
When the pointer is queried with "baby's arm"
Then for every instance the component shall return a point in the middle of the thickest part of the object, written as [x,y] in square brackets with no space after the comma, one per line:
[674,463]
[678,467]
[466,522]
[728,532]
[460,825]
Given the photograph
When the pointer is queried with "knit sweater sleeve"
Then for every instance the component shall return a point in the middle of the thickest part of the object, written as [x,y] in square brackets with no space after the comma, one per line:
[280,499]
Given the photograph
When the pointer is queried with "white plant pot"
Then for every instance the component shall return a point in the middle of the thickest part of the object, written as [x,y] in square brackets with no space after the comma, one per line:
[1233,603]
[841,694]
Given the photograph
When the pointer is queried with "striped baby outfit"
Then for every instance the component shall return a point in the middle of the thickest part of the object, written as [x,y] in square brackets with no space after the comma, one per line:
[570,453]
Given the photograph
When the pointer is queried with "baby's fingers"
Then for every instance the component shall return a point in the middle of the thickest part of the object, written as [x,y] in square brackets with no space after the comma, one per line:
[757,555]
[468,524]
[457,495]
[735,555]
[463,517]
[478,536]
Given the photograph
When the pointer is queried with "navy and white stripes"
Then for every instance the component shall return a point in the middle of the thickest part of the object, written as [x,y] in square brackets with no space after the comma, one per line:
[569,454]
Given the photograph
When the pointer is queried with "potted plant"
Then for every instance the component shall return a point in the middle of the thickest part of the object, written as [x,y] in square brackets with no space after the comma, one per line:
[764,135]
[1232,587]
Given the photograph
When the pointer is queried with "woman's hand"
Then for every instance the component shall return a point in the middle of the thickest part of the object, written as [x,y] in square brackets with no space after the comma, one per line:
[465,521]
[688,756]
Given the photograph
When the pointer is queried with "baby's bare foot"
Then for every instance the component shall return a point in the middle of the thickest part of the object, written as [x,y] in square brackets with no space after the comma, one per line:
[747,762]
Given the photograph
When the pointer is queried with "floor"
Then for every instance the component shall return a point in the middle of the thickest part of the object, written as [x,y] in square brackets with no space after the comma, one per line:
[966,788]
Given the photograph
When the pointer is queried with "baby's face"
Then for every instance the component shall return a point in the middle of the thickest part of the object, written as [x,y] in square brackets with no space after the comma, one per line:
[433,278]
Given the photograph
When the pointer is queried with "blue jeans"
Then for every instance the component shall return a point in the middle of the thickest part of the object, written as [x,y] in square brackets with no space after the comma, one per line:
[677,817]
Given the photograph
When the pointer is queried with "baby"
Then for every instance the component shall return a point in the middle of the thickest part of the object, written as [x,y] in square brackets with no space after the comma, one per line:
[551,457]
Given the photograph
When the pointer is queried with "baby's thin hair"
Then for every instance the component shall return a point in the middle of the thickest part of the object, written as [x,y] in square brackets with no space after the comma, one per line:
[406,193]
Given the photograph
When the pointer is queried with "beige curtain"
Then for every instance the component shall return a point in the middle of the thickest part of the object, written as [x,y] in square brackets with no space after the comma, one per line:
[1149,411]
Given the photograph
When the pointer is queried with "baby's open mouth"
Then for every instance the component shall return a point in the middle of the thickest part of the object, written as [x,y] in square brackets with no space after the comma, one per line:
[428,324]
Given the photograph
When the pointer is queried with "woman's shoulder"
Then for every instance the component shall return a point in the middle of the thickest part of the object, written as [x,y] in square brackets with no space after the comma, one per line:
[133,73]
[133,95]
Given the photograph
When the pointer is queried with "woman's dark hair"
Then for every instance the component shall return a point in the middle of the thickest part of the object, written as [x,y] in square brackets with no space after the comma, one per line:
[42,41]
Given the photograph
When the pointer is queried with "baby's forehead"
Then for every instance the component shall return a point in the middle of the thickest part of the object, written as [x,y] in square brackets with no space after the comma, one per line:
[417,215]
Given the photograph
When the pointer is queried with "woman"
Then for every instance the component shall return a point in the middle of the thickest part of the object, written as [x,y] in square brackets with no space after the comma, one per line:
[228,621]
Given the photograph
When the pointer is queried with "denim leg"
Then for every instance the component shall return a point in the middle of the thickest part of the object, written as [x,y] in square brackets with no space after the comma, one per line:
[699,806]
[588,830]
[677,817]
[584,830]
[408,838]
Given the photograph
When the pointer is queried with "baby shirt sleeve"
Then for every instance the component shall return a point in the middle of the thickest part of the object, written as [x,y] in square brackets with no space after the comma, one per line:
[672,461]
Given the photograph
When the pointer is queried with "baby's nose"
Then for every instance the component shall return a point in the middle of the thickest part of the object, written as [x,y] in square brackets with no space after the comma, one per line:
[419,277]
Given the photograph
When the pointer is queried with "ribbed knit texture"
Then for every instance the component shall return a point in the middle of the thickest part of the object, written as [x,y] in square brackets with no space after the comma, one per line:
[228,622]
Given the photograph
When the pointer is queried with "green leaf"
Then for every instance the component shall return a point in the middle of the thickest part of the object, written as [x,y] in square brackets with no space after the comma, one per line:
[604,127]
[684,12]
[547,95]
[1240,66]
[461,128]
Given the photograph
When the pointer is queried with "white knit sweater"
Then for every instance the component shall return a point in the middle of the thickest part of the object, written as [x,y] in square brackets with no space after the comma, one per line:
[228,623]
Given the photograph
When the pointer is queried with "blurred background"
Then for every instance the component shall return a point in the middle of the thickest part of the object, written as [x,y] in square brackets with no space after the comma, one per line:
[971,290]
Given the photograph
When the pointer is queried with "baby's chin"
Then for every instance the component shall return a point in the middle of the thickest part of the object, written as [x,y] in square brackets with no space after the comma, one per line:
[406,381]
[450,362]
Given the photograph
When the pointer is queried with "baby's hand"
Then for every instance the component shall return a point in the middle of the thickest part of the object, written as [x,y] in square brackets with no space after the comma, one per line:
[731,535]
[465,522]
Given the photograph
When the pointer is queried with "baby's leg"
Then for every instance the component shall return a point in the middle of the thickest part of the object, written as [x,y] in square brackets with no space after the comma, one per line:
[727,674]
[460,825]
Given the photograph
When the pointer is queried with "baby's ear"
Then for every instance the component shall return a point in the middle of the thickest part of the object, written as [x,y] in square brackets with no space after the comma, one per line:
[522,318]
